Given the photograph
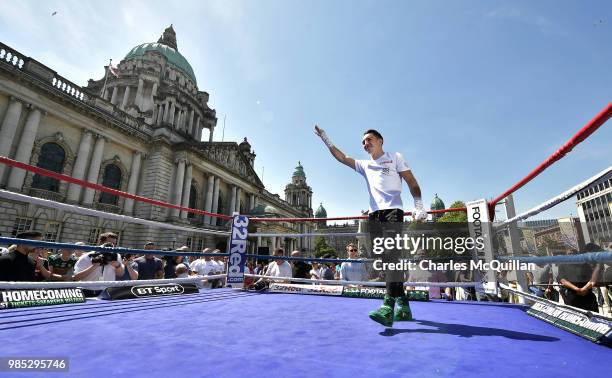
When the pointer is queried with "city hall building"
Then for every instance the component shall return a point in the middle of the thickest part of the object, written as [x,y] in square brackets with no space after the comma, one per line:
[139,129]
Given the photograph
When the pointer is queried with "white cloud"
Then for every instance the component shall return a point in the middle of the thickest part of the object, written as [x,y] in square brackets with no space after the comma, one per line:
[513,14]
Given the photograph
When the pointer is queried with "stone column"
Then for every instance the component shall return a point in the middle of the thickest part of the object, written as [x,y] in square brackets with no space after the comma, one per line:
[187,189]
[113,99]
[178,119]
[211,130]
[199,129]
[24,149]
[233,201]
[238,193]
[166,111]
[209,198]
[251,201]
[139,99]
[191,123]
[154,91]
[78,172]
[125,97]
[128,205]
[94,169]
[215,200]
[7,132]
[171,115]
[160,114]
[178,186]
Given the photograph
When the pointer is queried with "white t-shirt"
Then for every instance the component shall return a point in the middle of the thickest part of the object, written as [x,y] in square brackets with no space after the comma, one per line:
[194,266]
[383,180]
[276,270]
[202,267]
[101,273]
[218,266]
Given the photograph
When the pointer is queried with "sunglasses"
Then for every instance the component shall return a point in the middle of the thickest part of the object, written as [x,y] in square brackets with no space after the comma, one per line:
[352,250]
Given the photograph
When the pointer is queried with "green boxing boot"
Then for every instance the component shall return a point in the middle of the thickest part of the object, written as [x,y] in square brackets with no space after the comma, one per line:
[384,315]
[402,311]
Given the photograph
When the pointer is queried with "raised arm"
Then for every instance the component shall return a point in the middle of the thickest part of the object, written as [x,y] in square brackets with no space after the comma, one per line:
[339,155]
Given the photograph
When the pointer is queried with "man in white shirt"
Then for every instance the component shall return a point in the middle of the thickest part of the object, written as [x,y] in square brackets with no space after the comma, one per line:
[353,271]
[277,268]
[92,266]
[383,174]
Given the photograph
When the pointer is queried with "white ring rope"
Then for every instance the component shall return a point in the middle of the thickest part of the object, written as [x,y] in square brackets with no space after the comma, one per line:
[555,200]
[102,214]
[98,284]
[578,311]
[363,283]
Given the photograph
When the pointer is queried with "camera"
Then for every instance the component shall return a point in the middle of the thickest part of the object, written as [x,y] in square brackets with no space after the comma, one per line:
[104,258]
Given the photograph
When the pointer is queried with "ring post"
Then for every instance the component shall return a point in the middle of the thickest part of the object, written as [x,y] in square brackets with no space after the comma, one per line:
[480,227]
[237,251]
[514,247]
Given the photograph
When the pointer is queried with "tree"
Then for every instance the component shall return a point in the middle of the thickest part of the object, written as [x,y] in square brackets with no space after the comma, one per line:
[454,216]
[322,249]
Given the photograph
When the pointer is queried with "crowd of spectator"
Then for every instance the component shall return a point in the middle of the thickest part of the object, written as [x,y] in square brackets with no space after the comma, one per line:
[578,285]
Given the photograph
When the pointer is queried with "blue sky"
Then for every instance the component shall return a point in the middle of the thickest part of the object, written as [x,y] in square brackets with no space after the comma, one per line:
[474,94]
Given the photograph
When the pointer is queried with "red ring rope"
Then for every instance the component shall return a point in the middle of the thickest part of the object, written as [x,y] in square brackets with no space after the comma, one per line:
[580,136]
[87,184]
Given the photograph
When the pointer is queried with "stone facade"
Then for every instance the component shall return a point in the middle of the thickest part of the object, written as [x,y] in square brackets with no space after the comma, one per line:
[140,132]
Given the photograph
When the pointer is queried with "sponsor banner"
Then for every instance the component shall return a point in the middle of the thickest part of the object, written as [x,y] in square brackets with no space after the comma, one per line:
[335,290]
[480,227]
[145,291]
[237,251]
[379,292]
[40,297]
[581,325]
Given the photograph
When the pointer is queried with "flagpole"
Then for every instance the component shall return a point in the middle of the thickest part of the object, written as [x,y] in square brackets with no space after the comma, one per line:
[223,136]
[106,77]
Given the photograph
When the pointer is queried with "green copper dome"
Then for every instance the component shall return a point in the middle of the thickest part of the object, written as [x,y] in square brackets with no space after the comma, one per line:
[321,212]
[299,171]
[264,211]
[174,57]
[437,204]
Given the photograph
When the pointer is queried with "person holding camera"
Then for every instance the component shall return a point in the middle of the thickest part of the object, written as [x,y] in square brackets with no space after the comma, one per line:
[99,266]
[24,263]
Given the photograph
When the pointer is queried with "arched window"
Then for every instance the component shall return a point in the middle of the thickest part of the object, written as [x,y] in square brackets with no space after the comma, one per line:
[52,157]
[111,179]
[193,199]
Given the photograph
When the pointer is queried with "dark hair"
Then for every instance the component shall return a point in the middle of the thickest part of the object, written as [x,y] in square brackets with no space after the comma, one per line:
[107,235]
[592,247]
[279,250]
[374,132]
[29,235]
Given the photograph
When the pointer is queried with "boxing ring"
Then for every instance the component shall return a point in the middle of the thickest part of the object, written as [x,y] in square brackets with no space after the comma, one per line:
[225,333]
[230,332]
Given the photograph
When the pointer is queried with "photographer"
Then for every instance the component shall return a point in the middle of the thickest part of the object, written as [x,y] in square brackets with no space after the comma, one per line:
[100,266]
[23,262]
